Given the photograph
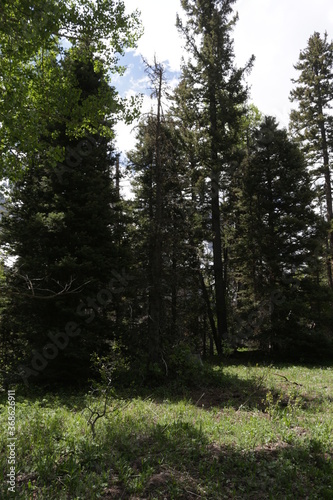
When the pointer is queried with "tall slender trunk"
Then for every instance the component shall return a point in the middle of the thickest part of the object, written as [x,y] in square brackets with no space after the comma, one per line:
[209,311]
[328,196]
[155,290]
[328,185]
[220,298]
[117,178]
[174,294]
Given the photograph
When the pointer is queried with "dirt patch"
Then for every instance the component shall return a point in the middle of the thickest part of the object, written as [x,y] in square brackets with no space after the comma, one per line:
[159,480]
[226,398]
[114,492]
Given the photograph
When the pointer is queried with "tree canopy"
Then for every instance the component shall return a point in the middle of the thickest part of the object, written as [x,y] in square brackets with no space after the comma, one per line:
[33,38]
[227,240]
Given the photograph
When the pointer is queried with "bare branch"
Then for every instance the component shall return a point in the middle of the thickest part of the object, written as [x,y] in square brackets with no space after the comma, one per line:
[47,293]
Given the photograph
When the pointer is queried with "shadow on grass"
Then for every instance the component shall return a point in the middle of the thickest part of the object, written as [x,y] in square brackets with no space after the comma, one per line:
[178,462]
[211,388]
[72,400]
[229,391]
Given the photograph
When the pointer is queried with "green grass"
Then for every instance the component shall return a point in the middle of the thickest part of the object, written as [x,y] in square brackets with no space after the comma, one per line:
[251,432]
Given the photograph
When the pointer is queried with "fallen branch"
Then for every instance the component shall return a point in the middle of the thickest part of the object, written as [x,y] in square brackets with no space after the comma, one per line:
[287,380]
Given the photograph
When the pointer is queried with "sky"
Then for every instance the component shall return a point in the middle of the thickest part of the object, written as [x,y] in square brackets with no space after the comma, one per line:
[274,31]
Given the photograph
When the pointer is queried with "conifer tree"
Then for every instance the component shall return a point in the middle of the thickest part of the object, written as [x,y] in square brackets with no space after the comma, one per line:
[276,236]
[312,121]
[213,90]
[180,300]
[163,216]
[61,229]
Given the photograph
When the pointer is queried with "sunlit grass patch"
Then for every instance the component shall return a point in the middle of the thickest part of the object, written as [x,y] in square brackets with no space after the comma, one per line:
[256,432]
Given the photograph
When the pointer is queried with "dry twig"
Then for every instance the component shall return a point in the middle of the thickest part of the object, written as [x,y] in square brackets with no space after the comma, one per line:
[287,380]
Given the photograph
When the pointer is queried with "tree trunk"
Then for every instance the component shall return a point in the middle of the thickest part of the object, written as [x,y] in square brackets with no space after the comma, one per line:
[210,314]
[220,299]
[328,196]
[174,318]
[155,290]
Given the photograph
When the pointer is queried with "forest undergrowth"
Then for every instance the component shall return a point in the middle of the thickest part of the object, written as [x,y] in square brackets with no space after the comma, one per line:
[252,431]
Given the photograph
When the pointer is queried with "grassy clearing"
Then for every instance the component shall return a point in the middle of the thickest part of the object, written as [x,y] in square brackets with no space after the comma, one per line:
[251,432]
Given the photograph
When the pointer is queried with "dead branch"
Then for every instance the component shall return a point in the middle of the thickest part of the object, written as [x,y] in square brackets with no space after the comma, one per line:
[96,415]
[202,395]
[47,293]
[287,380]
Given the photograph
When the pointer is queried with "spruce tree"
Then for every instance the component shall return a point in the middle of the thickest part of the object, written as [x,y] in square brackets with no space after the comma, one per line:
[60,227]
[312,121]
[276,237]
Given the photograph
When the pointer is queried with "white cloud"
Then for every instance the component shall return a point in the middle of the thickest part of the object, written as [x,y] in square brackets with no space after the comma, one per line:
[274,31]
[125,134]
[160,34]
[139,84]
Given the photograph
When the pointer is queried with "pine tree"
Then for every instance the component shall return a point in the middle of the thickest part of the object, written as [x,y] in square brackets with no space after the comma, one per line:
[213,91]
[312,121]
